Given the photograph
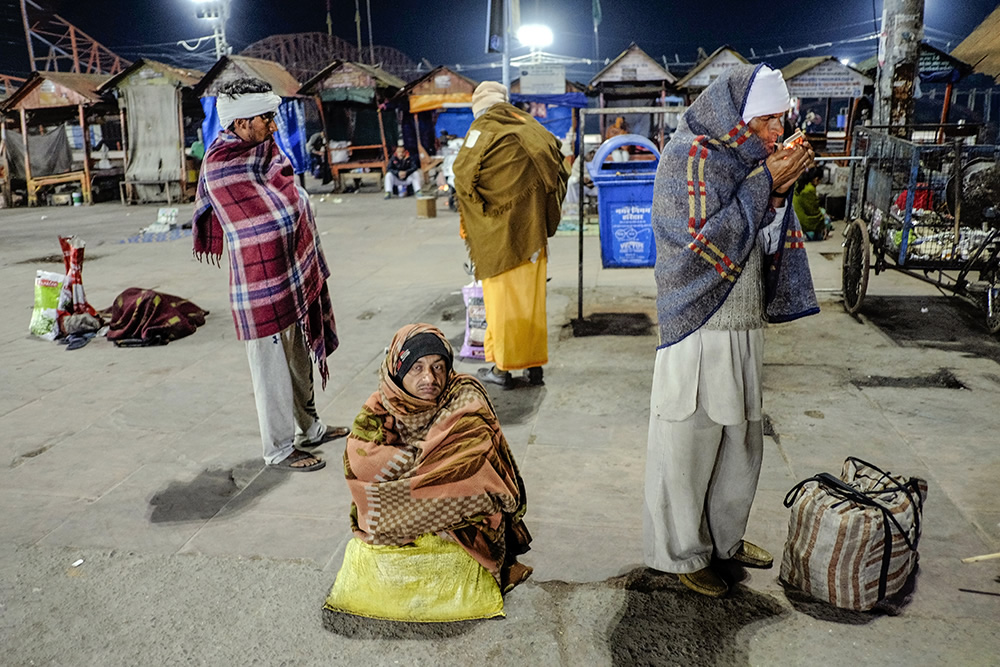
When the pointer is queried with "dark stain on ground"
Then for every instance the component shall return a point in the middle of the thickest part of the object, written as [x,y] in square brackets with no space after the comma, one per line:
[824,611]
[55,259]
[949,323]
[359,627]
[942,379]
[664,623]
[830,256]
[613,324]
[204,496]
[518,404]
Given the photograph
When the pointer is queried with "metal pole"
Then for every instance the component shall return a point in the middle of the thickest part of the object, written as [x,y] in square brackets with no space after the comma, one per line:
[27,37]
[506,44]
[371,42]
[357,24]
[958,192]
[580,203]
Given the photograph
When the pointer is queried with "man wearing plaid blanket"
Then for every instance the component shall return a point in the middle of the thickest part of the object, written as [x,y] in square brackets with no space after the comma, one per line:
[278,294]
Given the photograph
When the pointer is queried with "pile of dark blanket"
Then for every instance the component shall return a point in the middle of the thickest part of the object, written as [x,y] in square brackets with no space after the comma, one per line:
[142,317]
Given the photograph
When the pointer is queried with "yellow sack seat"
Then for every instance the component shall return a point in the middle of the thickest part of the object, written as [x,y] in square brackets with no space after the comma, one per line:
[430,581]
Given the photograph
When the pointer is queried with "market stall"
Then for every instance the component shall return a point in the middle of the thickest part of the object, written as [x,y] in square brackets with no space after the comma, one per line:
[350,97]
[634,79]
[160,119]
[441,99]
[52,124]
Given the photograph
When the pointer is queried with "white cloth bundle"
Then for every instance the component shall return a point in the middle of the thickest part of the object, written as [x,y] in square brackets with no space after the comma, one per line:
[247,105]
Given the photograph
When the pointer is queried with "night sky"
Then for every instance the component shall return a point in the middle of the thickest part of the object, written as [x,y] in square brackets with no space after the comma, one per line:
[453,33]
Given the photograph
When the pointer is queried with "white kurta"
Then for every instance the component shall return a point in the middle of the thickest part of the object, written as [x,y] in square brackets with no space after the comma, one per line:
[704,450]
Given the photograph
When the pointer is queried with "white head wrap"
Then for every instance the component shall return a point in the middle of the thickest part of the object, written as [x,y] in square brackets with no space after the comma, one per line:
[246,105]
[768,95]
[486,95]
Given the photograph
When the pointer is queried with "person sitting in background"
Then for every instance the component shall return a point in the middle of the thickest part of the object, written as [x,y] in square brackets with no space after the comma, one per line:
[814,220]
[429,470]
[403,172]
[619,128]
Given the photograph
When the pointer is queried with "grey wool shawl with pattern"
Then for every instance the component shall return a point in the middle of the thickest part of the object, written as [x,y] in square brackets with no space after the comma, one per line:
[710,198]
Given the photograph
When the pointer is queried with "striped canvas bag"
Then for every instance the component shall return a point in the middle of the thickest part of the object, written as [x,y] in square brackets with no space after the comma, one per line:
[853,540]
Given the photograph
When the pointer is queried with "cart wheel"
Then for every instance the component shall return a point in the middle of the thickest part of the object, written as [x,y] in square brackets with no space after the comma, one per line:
[993,322]
[857,259]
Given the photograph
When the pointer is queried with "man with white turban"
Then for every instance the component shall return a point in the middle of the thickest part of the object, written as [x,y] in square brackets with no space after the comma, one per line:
[278,294]
[730,258]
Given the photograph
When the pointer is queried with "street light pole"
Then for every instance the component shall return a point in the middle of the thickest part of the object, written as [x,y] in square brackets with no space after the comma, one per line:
[506,43]
[216,11]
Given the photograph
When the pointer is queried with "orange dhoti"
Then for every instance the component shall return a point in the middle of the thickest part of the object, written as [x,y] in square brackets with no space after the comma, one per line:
[516,331]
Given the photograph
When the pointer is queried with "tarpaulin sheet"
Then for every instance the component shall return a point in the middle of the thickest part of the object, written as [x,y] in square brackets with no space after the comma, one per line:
[420,103]
[50,153]
[554,112]
[291,135]
[154,142]
[453,121]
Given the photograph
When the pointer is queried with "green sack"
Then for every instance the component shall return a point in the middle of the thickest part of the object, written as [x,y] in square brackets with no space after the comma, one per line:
[431,581]
[44,323]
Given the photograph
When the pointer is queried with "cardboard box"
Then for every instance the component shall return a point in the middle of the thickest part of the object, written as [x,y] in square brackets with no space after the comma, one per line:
[426,207]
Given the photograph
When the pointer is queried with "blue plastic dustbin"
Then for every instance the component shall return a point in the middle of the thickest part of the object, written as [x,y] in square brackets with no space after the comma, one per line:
[625,203]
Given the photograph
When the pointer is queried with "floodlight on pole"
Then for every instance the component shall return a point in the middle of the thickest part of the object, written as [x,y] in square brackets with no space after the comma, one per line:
[216,11]
[535,36]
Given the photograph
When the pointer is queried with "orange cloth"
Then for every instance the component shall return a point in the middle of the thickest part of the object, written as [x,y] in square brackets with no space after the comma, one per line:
[516,331]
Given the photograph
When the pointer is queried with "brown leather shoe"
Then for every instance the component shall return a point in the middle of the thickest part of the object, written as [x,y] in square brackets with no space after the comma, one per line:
[751,555]
[706,582]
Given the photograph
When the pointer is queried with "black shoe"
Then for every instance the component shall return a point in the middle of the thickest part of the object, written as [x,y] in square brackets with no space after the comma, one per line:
[534,375]
[493,376]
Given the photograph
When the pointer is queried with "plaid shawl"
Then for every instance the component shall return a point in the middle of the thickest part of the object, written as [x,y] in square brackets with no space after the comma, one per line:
[415,466]
[710,198]
[510,179]
[277,269]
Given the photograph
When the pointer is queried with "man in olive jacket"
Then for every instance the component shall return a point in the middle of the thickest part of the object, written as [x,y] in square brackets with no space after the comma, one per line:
[510,179]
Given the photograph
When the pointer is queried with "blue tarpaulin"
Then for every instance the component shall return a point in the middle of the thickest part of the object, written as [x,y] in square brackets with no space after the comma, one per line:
[553,111]
[291,122]
[453,121]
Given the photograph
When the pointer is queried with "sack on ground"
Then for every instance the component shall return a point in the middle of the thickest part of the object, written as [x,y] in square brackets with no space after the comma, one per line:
[475,322]
[72,299]
[852,540]
[44,322]
[432,580]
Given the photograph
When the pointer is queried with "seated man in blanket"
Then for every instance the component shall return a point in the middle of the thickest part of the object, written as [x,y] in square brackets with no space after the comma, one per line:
[437,497]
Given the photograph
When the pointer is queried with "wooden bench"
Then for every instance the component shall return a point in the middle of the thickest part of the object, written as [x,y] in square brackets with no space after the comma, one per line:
[36,183]
[374,165]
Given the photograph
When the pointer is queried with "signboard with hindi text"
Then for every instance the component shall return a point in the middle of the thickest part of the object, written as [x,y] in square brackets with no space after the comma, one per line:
[543,79]
[828,79]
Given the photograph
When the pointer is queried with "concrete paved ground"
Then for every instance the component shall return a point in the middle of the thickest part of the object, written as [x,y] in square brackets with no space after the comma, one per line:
[145,463]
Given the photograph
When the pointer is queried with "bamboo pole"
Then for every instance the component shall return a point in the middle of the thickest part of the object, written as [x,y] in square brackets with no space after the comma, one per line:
[976,559]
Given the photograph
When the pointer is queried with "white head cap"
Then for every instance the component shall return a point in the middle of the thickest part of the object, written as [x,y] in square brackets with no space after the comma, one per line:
[486,95]
[768,95]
